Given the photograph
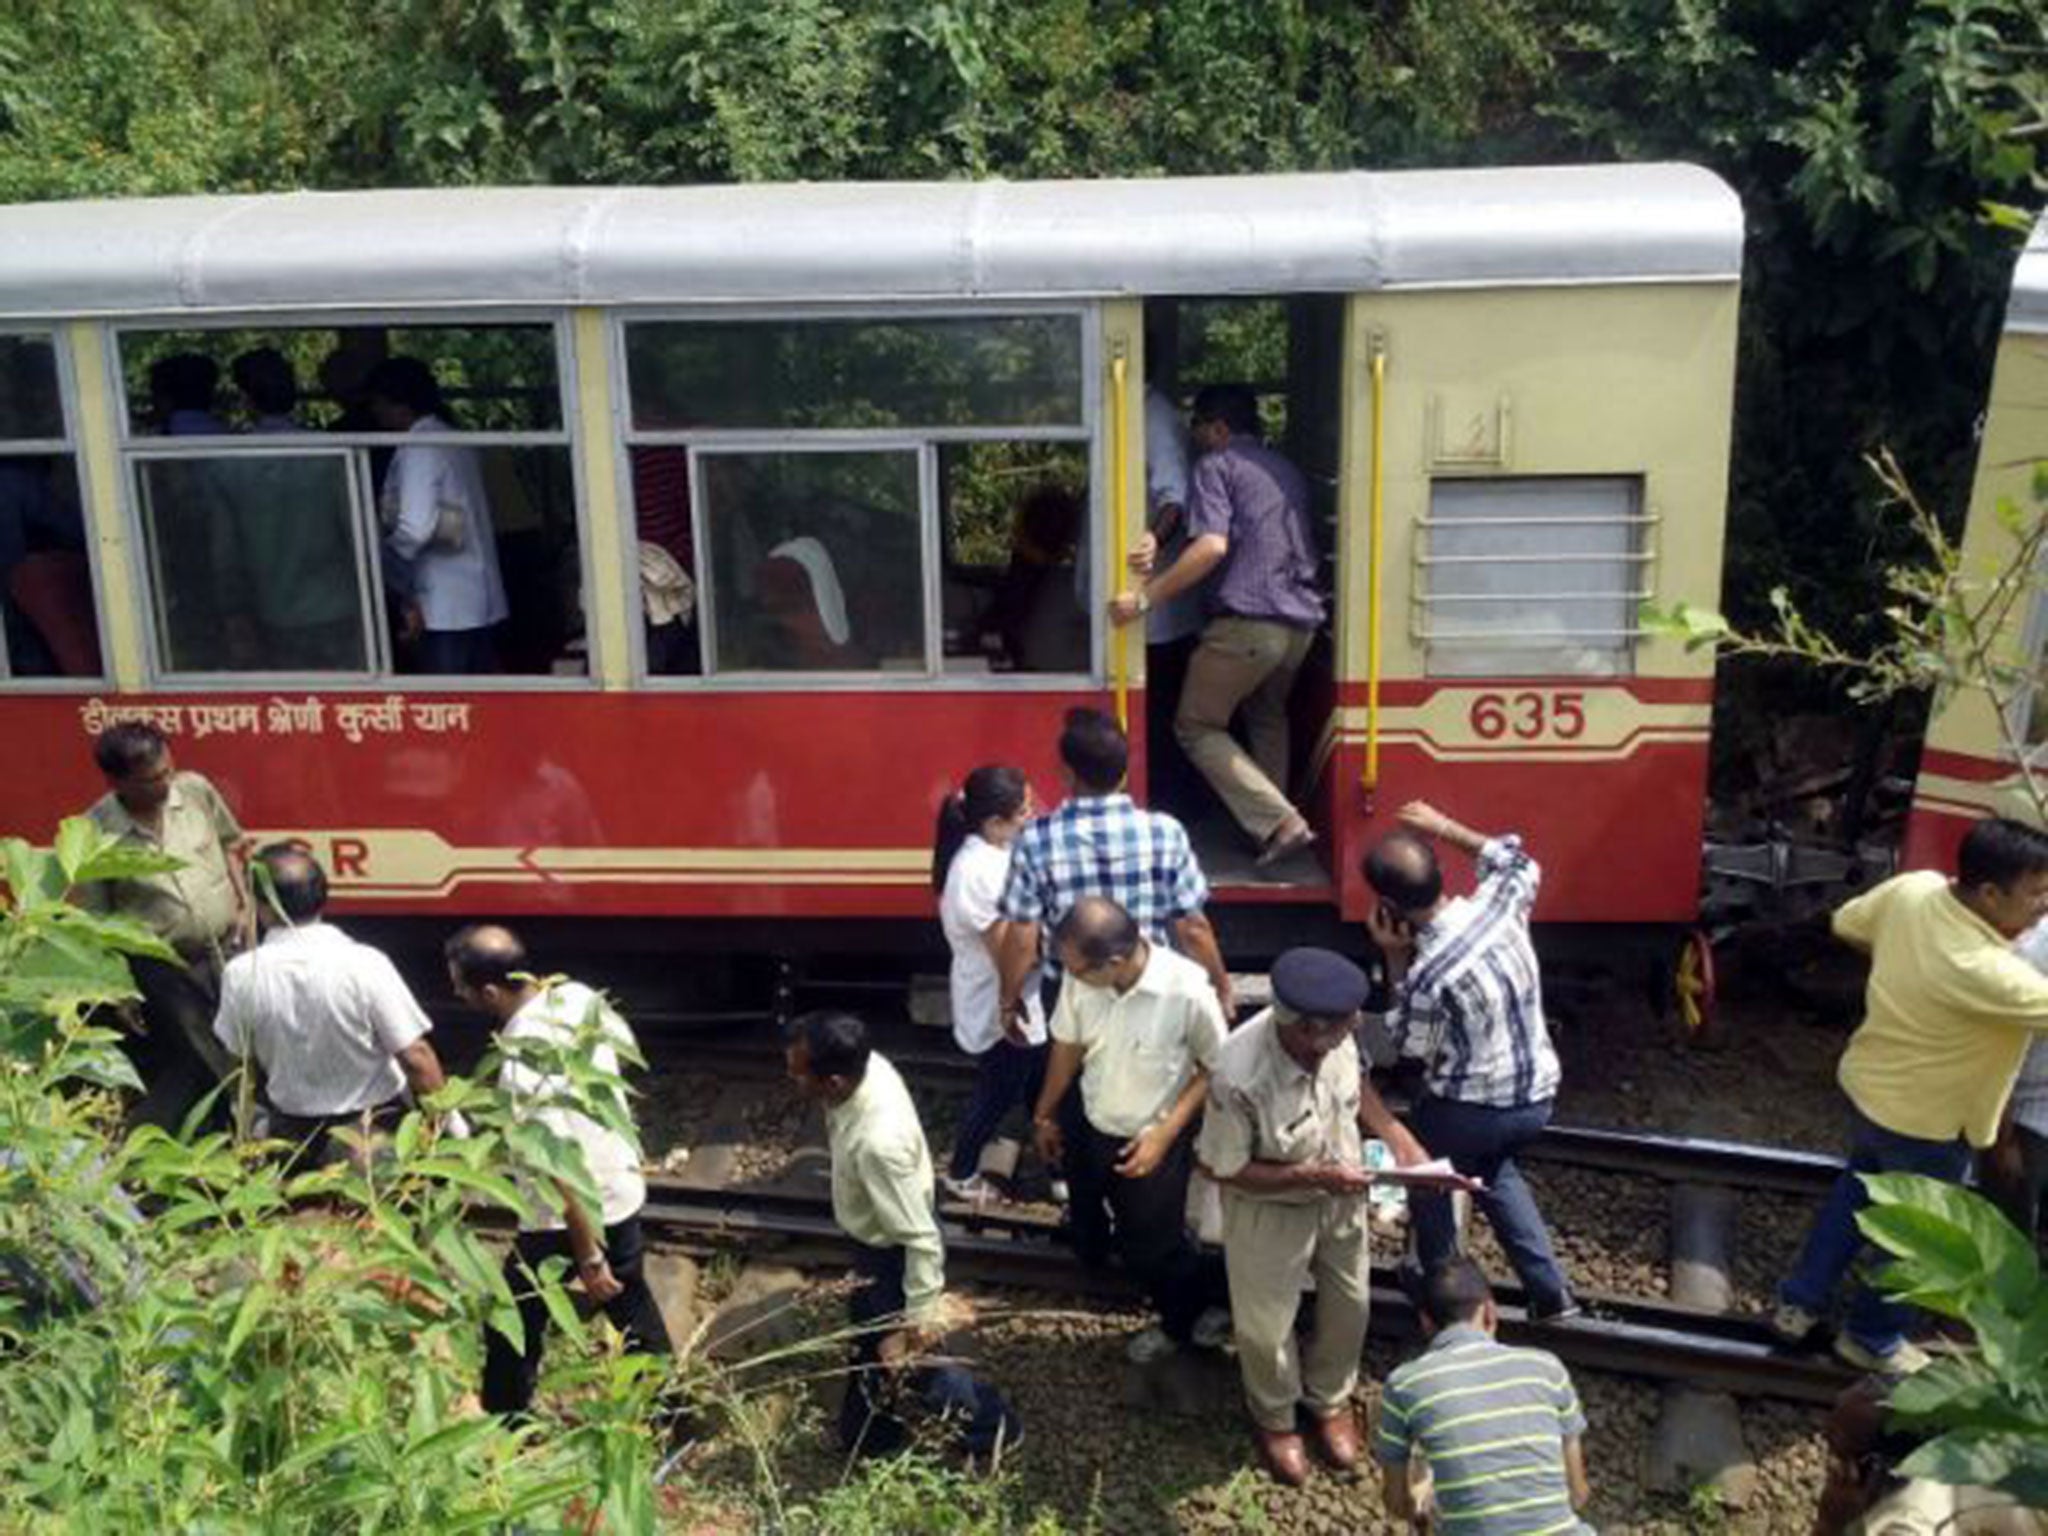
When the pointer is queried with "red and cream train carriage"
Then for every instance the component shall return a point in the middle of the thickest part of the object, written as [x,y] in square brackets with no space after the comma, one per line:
[1510,388]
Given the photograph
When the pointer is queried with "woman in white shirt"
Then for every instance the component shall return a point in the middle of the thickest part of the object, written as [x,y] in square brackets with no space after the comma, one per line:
[970,862]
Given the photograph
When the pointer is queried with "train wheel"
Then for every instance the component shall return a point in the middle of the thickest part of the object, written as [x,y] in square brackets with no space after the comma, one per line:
[1693,989]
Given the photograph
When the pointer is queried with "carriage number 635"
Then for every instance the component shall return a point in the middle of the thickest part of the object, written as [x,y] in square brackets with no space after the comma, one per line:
[1528,716]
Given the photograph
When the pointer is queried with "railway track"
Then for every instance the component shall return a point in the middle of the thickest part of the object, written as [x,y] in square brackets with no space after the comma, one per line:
[1673,1159]
[1658,1340]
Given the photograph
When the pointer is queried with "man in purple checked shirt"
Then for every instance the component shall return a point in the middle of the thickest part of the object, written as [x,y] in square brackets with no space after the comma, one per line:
[1247,523]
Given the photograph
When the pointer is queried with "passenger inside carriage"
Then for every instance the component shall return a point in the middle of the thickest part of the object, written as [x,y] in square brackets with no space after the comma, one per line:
[1038,620]
[1250,540]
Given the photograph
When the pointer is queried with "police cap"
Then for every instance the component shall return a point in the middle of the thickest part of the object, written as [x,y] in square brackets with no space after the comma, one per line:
[1318,982]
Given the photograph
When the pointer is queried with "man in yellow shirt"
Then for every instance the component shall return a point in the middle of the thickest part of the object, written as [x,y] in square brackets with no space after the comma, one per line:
[1948,1014]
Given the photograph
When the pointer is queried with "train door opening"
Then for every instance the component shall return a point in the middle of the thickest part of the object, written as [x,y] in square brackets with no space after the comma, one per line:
[1287,352]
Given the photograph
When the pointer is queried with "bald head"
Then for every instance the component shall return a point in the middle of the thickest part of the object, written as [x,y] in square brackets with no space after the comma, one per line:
[1402,868]
[488,965]
[297,885]
[1095,933]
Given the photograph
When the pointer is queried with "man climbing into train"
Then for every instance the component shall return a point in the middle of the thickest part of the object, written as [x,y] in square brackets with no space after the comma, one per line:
[882,1198]
[1468,1002]
[1249,540]
[1947,1017]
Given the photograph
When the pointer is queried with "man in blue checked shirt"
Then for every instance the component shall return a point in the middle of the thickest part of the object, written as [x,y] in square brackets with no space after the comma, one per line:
[1101,843]
[1468,1002]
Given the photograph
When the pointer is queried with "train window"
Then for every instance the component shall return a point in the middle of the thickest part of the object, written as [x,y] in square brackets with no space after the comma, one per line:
[255,562]
[416,476]
[1532,577]
[794,375]
[814,559]
[1014,584]
[47,623]
[925,479]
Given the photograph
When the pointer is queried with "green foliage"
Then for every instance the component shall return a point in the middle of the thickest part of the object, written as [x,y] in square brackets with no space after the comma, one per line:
[1985,1412]
[263,1353]
[915,1495]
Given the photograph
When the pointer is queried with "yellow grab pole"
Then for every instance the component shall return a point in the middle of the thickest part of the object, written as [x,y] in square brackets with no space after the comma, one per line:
[1377,537]
[1120,534]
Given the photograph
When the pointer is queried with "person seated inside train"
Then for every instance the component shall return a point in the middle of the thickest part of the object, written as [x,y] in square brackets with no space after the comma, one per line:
[181,395]
[803,619]
[45,583]
[270,390]
[1249,538]
[1038,617]
[281,543]
[345,376]
[440,544]
[668,589]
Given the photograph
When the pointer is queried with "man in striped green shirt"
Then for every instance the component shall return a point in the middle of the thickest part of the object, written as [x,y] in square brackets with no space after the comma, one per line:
[1497,1427]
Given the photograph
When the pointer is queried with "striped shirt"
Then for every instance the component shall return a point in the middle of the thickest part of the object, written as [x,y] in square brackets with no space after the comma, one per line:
[1259,502]
[1491,1422]
[1471,1006]
[1104,845]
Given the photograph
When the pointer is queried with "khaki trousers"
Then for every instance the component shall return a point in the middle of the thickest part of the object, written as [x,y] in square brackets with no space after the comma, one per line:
[1248,665]
[1270,1250]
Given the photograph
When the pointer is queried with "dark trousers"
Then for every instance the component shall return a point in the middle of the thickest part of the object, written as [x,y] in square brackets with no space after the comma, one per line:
[1482,1141]
[457,652]
[1834,1241]
[869,1422]
[2020,1197]
[1005,1074]
[510,1375]
[176,1057]
[1172,784]
[314,1144]
[1145,1218]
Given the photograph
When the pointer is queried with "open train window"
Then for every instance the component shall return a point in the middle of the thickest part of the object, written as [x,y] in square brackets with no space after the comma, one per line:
[361,502]
[1532,577]
[883,495]
[47,623]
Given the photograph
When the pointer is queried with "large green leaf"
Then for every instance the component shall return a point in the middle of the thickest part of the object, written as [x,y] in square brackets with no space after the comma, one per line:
[1990,1458]
[1948,1241]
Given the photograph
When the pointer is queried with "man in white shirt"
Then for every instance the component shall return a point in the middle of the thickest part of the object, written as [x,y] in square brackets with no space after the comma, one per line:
[1174,626]
[1141,1027]
[882,1197]
[337,1033]
[539,1027]
[440,544]
[2016,1167]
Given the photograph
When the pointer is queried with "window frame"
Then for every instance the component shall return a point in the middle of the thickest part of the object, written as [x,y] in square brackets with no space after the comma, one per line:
[1643,524]
[1091,431]
[567,438]
[68,447]
[370,606]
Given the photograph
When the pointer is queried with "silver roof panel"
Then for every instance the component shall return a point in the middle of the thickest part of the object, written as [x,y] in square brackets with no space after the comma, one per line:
[2028,310]
[822,242]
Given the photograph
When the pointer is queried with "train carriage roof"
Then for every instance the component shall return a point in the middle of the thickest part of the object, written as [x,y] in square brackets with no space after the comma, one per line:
[808,242]
[2028,309]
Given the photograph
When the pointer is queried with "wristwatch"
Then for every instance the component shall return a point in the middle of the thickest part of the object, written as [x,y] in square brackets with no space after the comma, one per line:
[1144,601]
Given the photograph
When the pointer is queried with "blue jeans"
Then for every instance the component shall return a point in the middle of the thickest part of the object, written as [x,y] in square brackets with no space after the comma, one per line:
[869,1423]
[1482,1140]
[1835,1241]
[1006,1074]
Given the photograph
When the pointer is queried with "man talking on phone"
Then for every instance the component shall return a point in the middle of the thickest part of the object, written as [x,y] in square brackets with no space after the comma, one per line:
[1468,1003]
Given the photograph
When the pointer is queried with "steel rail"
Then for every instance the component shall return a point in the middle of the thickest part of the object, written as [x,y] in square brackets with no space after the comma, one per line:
[1644,1154]
[1628,1335]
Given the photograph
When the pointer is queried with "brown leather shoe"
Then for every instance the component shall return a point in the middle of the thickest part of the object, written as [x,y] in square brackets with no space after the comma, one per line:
[1281,1451]
[1337,1439]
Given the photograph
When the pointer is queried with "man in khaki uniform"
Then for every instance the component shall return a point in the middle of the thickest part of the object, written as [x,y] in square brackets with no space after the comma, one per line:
[1281,1136]
[200,909]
